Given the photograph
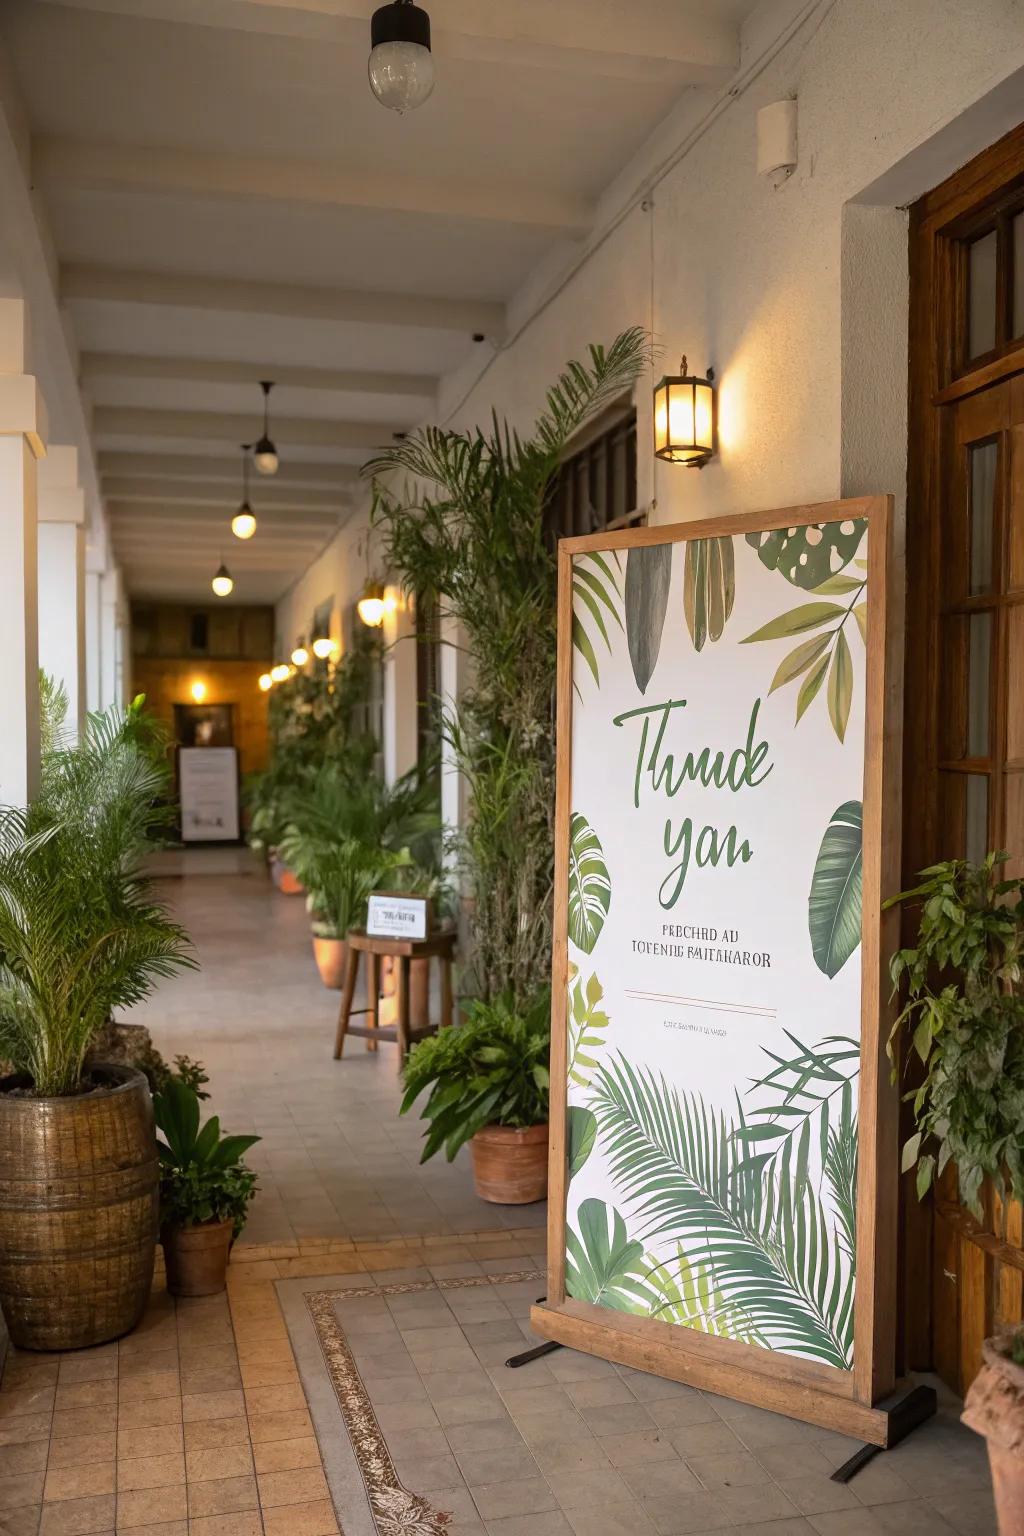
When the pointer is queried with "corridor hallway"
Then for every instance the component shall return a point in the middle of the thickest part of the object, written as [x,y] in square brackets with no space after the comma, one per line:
[336,1161]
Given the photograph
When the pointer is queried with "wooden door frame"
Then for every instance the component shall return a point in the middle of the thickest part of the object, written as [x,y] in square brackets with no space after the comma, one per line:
[938,376]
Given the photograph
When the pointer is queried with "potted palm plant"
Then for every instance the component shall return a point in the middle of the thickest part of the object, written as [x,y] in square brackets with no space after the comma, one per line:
[489,1085]
[964,1014]
[80,936]
[338,878]
[205,1190]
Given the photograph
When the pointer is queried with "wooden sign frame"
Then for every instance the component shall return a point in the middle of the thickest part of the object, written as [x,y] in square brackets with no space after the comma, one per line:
[844,1400]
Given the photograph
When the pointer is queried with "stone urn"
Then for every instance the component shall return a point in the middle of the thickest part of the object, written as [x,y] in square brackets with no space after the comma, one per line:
[995,1409]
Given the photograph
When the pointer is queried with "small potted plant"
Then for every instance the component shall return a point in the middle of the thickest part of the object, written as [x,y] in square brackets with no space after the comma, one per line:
[489,1085]
[338,878]
[205,1190]
[81,936]
[964,1014]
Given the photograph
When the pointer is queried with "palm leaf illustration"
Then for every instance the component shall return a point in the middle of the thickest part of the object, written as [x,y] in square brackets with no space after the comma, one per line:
[581,1130]
[596,595]
[773,1252]
[801,1092]
[687,1296]
[648,576]
[590,888]
[834,901]
[709,588]
[603,1266]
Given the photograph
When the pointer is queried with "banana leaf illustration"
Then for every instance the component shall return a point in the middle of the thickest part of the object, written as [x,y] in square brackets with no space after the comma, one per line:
[603,1266]
[709,588]
[808,556]
[590,888]
[648,576]
[834,902]
[581,1131]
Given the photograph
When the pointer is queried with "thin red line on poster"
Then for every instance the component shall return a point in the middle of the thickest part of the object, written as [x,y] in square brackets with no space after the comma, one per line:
[703,1002]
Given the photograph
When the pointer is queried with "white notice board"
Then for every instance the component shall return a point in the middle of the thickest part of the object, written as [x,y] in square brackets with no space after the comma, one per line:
[208,790]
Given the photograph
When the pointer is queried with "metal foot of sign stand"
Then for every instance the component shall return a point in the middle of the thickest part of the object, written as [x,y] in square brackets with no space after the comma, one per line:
[547,1348]
[907,1411]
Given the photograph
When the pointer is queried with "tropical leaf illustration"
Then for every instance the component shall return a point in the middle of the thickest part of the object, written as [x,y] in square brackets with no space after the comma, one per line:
[590,889]
[773,1251]
[648,576]
[602,1265]
[802,1092]
[586,1021]
[581,1131]
[596,598]
[688,1298]
[825,652]
[808,556]
[709,588]
[834,902]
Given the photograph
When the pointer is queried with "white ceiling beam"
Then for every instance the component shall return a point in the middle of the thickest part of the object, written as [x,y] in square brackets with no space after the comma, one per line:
[266,494]
[294,302]
[690,42]
[196,466]
[208,514]
[213,426]
[165,170]
[196,370]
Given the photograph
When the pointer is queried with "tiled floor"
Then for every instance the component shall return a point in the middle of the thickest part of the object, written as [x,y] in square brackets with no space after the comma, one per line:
[222,1418]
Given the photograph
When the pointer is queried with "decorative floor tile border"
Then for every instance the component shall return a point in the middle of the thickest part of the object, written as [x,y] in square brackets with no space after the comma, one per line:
[396,1510]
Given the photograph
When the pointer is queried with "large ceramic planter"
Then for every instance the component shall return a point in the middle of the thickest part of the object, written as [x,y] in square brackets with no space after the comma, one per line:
[510,1167]
[78,1211]
[196,1258]
[995,1409]
[330,956]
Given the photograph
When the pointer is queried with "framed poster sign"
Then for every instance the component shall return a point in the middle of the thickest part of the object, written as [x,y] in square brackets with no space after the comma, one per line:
[208,793]
[724,1165]
[392,916]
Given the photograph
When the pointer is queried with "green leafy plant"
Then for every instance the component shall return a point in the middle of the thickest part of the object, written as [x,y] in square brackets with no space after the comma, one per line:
[964,1016]
[80,931]
[338,878]
[202,1176]
[590,887]
[827,652]
[490,1070]
[471,532]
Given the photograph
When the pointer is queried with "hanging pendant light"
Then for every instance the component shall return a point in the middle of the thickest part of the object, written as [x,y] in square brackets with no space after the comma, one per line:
[323,646]
[401,64]
[264,453]
[243,524]
[222,583]
[300,655]
[280,672]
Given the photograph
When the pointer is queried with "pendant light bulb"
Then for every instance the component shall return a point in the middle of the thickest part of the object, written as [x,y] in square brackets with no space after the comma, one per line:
[280,672]
[222,583]
[401,66]
[323,646]
[264,453]
[300,655]
[243,524]
[266,682]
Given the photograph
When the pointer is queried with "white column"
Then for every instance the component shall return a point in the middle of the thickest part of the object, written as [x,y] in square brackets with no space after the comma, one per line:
[62,579]
[22,442]
[93,639]
[111,669]
[453,668]
[400,735]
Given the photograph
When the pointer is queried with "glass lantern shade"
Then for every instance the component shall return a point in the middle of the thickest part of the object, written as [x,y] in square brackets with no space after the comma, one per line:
[372,607]
[684,419]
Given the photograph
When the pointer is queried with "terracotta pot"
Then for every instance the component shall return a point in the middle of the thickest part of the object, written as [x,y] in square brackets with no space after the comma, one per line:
[995,1409]
[197,1257]
[330,955]
[78,1212]
[284,879]
[510,1167]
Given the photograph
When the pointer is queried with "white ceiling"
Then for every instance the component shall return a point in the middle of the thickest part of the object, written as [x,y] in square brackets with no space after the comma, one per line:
[230,203]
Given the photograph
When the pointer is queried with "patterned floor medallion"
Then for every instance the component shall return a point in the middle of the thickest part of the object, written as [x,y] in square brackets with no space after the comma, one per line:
[396,1510]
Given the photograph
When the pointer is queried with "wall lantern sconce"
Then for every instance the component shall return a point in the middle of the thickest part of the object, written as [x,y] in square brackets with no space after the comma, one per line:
[300,655]
[280,672]
[323,646]
[684,418]
[266,682]
[198,691]
[373,605]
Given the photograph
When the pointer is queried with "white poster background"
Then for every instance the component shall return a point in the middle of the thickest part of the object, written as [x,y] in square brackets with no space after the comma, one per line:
[208,790]
[698,1047]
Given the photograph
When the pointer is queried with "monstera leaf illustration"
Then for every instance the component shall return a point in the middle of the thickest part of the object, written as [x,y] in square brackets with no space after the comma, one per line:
[808,556]
[834,904]
[581,1131]
[603,1266]
[590,889]
[648,575]
[709,588]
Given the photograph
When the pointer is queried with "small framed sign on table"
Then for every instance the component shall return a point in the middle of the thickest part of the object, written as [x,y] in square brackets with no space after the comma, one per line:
[398,916]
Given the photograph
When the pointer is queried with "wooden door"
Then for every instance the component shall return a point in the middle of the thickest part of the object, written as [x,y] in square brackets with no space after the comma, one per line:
[964,728]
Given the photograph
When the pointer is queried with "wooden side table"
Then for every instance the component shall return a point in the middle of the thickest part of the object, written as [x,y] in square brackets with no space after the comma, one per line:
[439,946]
